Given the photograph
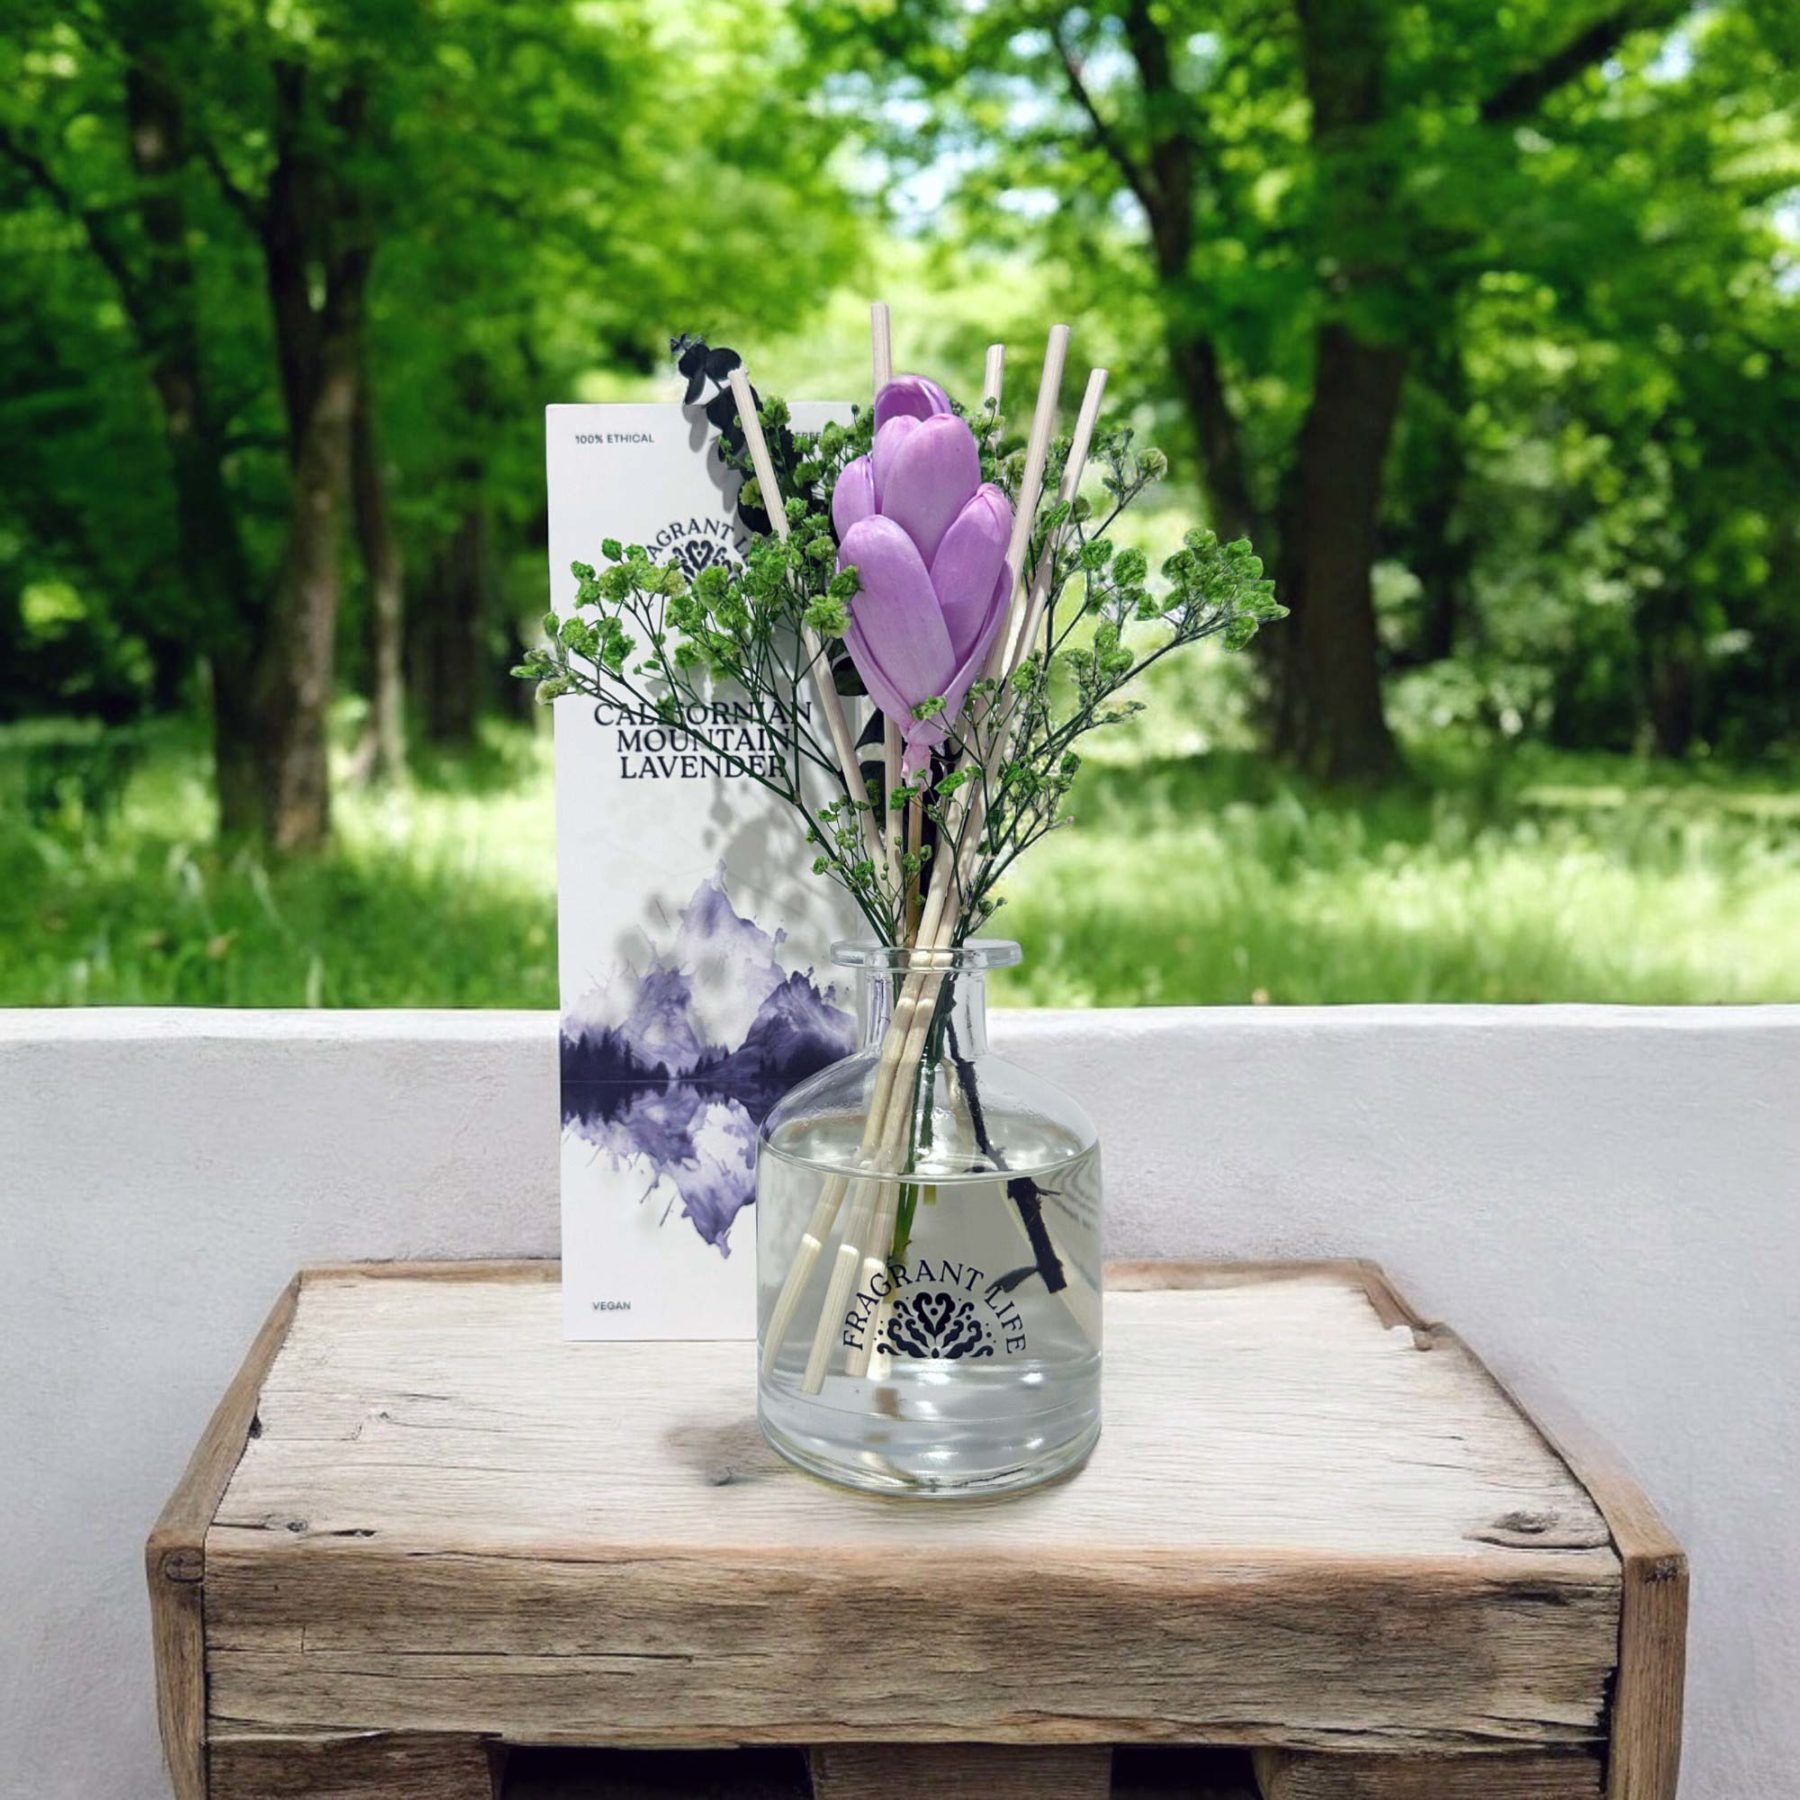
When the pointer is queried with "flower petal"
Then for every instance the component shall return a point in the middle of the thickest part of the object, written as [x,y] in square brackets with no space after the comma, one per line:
[920,736]
[887,442]
[896,618]
[882,691]
[910,397]
[929,479]
[968,670]
[969,561]
[853,497]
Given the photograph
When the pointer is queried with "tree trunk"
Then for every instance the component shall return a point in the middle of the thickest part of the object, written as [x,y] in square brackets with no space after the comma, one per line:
[1442,563]
[1438,546]
[237,789]
[451,640]
[1327,704]
[385,749]
[1674,675]
[1163,171]
[1674,706]
[1327,716]
[317,254]
[294,675]
[1195,363]
[165,315]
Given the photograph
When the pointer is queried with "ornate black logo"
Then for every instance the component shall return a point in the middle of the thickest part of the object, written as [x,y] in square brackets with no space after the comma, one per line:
[930,1322]
[935,1307]
[694,554]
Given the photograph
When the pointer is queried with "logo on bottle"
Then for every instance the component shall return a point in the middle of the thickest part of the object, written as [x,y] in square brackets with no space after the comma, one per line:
[933,1307]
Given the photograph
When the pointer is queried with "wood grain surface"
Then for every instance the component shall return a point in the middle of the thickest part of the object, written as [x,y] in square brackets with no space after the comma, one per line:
[1644,1737]
[356,1767]
[961,1772]
[1307,1523]
[1563,1775]
[175,1558]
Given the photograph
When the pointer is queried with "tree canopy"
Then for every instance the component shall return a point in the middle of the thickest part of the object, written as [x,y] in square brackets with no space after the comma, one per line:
[1482,322]
[1387,248]
[275,271]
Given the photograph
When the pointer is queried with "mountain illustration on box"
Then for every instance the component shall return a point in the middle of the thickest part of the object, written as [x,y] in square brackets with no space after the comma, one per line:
[668,1069]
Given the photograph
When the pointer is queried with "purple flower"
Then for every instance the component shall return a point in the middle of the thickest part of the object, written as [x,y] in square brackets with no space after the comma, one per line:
[928,539]
[910,397]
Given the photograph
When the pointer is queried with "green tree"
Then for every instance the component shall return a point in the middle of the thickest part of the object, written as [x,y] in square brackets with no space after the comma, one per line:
[291,218]
[540,260]
[1623,476]
[151,129]
[1302,196]
[90,599]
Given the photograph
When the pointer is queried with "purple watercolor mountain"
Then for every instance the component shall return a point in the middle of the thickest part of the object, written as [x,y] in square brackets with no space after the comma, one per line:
[670,1069]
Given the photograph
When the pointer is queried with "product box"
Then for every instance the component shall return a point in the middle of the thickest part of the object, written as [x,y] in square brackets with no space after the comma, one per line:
[694,940]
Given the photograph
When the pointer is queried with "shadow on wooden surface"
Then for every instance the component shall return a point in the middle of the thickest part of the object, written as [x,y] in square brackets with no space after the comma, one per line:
[656,1775]
[1138,1774]
[1157,1773]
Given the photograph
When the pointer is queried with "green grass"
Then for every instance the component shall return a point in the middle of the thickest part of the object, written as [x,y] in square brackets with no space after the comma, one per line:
[442,895]
[1528,878]
[1545,879]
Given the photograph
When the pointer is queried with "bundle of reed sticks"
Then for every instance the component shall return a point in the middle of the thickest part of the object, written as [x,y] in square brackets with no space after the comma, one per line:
[860,1206]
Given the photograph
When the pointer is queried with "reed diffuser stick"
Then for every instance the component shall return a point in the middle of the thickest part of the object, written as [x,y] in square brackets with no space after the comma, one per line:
[972,820]
[881,361]
[1031,482]
[881,344]
[915,841]
[1032,614]
[992,376]
[806,1258]
[825,692]
[891,751]
[831,1196]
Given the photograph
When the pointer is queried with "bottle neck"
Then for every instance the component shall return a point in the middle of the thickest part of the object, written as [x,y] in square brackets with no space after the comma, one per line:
[956,1005]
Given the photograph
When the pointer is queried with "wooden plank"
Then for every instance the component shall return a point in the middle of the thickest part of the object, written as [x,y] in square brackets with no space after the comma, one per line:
[412,1414]
[1287,1775]
[352,1767]
[1644,1727]
[175,1558]
[1292,1459]
[960,1772]
[1644,1761]
[508,1268]
[693,1651]
[1125,1275]
[1295,1522]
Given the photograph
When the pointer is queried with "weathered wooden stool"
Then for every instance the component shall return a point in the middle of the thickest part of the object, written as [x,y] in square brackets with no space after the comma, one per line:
[421,1529]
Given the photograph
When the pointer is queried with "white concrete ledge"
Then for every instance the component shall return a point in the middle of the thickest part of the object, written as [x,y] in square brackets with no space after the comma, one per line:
[1602,1199]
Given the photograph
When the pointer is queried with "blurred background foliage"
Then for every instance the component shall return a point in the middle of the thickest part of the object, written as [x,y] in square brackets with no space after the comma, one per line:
[1482,321]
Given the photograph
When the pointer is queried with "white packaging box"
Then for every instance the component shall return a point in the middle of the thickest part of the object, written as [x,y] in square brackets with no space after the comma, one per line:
[693,939]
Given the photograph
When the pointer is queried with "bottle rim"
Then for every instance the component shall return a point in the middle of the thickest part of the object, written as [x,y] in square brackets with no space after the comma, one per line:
[975,957]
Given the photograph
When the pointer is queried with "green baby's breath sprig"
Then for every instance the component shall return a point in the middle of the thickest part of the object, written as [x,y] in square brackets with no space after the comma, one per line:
[644,637]
[1106,622]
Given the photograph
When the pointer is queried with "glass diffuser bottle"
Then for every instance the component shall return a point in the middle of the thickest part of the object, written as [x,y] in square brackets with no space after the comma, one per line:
[928,1249]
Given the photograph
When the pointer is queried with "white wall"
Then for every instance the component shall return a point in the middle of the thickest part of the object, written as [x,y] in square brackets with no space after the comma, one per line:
[1603,1201]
